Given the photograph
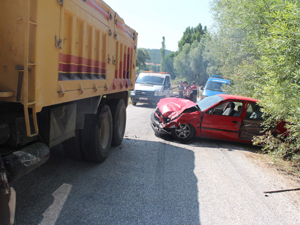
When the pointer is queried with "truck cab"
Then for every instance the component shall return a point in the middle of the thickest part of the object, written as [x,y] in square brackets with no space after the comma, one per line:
[151,87]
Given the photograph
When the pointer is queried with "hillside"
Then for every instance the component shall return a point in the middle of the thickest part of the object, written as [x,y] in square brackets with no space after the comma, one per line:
[155,55]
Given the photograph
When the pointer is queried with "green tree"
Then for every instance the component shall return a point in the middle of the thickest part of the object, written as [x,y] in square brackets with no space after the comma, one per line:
[211,55]
[197,63]
[189,63]
[169,64]
[154,68]
[155,55]
[191,34]
[163,55]
[186,38]
[182,63]
[256,44]
[141,58]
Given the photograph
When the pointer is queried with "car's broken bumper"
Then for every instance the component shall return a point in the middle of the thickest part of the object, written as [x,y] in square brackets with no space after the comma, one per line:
[156,125]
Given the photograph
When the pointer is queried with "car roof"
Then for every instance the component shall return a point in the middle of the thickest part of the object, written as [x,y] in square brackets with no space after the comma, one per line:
[154,74]
[219,80]
[236,97]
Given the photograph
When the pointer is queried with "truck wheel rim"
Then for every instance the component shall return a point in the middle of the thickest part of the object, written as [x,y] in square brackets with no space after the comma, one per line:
[183,131]
[104,134]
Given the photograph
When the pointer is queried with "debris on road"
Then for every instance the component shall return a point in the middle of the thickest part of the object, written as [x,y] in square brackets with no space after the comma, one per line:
[283,190]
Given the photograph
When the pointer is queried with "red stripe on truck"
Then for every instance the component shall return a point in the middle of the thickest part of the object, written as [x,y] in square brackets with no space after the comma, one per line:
[98,8]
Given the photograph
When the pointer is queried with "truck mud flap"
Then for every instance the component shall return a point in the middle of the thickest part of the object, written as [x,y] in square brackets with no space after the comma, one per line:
[7,207]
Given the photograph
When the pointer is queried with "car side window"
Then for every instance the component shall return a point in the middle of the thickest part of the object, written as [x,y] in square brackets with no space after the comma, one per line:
[254,112]
[167,81]
[230,108]
[249,111]
[218,110]
[238,109]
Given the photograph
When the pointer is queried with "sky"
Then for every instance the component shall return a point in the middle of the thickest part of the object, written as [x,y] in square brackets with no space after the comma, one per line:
[153,19]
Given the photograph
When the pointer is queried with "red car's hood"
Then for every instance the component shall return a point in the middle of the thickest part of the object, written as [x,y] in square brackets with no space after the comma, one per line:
[173,107]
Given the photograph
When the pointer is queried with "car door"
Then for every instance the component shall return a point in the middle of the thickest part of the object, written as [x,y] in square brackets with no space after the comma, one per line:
[215,124]
[251,125]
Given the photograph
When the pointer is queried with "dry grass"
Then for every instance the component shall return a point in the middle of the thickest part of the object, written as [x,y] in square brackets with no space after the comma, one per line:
[286,166]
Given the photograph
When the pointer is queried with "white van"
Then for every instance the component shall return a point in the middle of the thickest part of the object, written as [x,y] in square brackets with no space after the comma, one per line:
[151,87]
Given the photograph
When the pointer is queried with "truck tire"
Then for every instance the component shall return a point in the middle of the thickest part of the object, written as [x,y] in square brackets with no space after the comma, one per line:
[96,136]
[72,147]
[134,103]
[118,110]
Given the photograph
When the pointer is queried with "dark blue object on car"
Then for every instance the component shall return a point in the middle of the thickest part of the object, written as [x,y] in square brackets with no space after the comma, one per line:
[214,85]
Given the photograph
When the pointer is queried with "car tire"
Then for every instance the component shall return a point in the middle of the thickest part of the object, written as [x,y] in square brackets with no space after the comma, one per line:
[183,133]
[96,137]
[118,110]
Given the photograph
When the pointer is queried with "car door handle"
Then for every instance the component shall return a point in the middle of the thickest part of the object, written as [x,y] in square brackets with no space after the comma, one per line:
[237,122]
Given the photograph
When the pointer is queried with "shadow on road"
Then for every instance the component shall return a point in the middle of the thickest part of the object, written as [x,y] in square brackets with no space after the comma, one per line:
[141,182]
[212,143]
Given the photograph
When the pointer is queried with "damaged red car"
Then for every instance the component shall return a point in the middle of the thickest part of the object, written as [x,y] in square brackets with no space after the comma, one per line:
[225,117]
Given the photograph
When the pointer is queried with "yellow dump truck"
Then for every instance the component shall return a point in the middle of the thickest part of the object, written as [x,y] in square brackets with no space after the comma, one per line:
[66,67]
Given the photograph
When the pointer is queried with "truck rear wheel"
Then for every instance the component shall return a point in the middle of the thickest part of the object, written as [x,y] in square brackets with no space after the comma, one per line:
[118,110]
[96,137]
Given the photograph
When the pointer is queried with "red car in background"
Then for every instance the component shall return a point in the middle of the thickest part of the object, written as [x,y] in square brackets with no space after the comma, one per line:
[225,117]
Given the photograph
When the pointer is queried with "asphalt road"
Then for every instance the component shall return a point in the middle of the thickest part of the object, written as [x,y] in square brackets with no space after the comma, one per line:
[153,180]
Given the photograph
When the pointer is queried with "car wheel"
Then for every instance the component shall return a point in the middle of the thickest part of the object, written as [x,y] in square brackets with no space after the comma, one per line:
[133,103]
[183,133]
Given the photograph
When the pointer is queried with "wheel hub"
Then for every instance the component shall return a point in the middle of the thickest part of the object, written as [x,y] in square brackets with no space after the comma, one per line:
[183,131]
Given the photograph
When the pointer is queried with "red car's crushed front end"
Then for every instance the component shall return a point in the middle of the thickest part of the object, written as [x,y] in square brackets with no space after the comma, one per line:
[170,112]
[184,119]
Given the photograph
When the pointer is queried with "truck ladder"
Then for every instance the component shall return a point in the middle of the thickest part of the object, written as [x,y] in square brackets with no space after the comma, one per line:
[24,71]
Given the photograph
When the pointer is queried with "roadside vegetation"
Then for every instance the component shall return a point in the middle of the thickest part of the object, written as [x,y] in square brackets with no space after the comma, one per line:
[255,44]
[155,55]
[187,63]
